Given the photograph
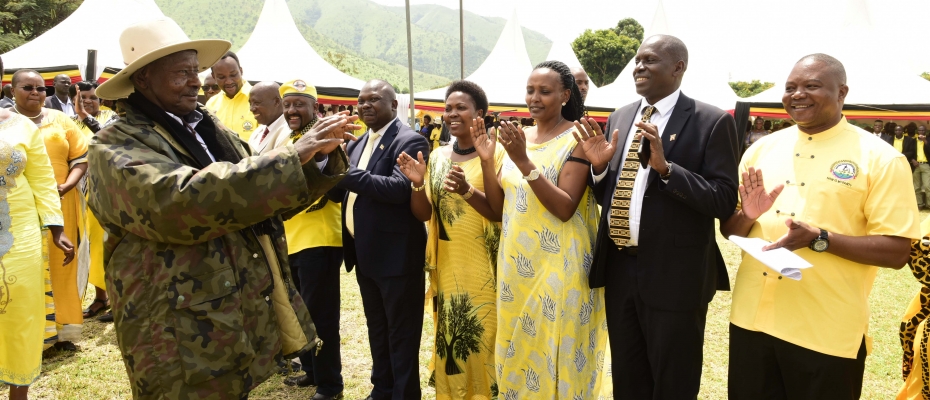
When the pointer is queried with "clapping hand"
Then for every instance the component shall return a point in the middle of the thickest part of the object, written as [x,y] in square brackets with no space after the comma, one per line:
[326,136]
[415,170]
[79,106]
[514,140]
[455,181]
[485,143]
[799,236]
[754,199]
[594,143]
[654,154]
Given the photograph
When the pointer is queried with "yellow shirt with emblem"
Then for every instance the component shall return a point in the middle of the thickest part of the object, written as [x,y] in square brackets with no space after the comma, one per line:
[841,180]
[899,144]
[318,226]
[921,156]
[234,112]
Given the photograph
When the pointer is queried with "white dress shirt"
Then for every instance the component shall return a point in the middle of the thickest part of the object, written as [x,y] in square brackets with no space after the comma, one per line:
[381,135]
[67,107]
[660,118]
[278,135]
[192,120]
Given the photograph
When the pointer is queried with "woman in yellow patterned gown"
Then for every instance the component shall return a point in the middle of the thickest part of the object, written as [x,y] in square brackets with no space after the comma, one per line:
[28,202]
[461,253]
[90,119]
[552,331]
[67,151]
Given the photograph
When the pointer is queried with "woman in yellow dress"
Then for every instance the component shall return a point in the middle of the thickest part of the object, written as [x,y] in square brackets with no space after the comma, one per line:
[90,119]
[67,151]
[461,253]
[28,203]
[552,331]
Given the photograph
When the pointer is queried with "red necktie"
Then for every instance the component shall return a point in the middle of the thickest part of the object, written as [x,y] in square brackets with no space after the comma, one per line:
[264,135]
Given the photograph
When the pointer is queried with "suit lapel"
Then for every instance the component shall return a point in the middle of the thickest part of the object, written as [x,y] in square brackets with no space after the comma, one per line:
[355,149]
[378,151]
[674,127]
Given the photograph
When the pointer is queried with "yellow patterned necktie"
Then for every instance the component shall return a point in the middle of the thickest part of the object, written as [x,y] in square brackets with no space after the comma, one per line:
[623,193]
[362,164]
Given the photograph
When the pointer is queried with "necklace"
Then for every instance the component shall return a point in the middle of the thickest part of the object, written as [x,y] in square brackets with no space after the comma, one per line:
[550,133]
[460,151]
[21,113]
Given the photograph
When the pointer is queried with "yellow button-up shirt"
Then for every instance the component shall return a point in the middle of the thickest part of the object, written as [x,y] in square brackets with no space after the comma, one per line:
[899,144]
[921,156]
[234,112]
[841,180]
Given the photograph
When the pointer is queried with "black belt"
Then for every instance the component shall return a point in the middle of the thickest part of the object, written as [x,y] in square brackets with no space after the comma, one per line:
[630,250]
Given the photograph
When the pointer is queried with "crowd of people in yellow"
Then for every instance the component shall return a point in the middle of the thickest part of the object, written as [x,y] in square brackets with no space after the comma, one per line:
[561,258]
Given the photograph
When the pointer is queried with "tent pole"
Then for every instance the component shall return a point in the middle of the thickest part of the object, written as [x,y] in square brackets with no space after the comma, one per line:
[461,41]
[410,66]
[90,73]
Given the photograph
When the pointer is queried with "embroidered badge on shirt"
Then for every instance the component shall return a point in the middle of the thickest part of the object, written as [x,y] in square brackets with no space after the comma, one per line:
[845,170]
[247,126]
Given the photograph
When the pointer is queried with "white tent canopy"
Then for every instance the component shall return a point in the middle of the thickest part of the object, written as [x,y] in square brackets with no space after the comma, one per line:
[276,51]
[503,74]
[887,83]
[95,25]
[562,51]
[704,80]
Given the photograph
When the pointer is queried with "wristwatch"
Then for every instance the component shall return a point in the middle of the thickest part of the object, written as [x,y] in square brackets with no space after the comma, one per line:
[820,244]
[534,175]
[667,174]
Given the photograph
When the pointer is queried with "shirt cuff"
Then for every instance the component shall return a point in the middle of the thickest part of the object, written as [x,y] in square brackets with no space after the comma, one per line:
[322,164]
[597,178]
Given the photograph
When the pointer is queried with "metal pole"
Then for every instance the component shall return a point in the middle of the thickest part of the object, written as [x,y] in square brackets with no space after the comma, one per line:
[462,40]
[410,65]
[90,72]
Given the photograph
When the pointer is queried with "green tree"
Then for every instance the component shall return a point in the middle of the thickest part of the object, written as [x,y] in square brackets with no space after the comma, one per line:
[458,330]
[630,28]
[603,53]
[24,20]
[748,89]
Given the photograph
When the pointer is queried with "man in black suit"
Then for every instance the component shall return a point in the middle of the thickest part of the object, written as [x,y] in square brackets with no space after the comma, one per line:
[908,145]
[60,100]
[385,242]
[878,129]
[655,252]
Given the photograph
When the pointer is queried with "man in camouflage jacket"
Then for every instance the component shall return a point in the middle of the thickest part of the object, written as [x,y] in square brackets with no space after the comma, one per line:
[195,252]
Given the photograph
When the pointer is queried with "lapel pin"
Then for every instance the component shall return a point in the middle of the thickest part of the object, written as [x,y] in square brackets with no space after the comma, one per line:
[381,147]
[671,138]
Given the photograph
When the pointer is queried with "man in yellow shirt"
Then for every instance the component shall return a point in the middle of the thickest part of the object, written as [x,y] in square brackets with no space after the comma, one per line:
[232,106]
[922,169]
[838,198]
[314,243]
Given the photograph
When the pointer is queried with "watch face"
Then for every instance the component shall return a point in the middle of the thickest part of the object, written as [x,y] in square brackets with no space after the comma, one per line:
[820,245]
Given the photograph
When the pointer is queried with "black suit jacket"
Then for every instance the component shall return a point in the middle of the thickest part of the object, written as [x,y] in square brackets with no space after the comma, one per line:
[680,264]
[53,102]
[389,240]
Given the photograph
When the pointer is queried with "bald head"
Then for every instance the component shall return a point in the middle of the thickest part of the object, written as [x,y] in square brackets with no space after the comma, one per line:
[62,84]
[582,80]
[671,46]
[377,103]
[831,65]
[265,102]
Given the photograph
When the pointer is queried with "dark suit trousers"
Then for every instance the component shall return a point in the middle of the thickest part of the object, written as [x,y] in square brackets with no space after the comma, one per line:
[394,310]
[763,367]
[316,275]
[657,354]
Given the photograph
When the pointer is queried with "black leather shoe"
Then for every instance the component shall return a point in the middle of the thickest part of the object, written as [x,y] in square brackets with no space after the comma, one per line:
[108,317]
[319,396]
[300,381]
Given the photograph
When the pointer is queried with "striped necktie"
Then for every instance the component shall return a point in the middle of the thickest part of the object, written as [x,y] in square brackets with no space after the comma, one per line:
[623,193]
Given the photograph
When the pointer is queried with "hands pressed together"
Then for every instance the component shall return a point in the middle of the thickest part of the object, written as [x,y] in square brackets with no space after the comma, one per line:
[326,136]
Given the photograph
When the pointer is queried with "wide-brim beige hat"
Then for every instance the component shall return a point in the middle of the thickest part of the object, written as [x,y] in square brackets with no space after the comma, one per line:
[148,41]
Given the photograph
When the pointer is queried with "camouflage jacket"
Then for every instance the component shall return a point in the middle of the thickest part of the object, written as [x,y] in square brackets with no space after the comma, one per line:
[188,280]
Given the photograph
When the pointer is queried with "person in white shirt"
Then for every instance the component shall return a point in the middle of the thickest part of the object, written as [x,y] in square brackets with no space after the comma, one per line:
[61,101]
[266,105]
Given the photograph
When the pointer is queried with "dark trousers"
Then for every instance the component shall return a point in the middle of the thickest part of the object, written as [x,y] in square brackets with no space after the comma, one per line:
[657,354]
[763,367]
[316,275]
[394,310]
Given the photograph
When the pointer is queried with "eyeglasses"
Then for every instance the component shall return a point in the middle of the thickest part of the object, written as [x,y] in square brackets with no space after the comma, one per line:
[210,87]
[30,88]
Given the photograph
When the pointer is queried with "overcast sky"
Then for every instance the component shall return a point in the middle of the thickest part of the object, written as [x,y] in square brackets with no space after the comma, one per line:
[742,36]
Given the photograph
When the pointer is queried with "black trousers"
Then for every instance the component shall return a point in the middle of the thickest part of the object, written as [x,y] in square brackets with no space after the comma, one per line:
[394,310]
[657,354]
[763,367]
[316,275]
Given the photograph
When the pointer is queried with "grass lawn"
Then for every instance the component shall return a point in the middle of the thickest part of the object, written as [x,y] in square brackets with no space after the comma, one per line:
[96,372]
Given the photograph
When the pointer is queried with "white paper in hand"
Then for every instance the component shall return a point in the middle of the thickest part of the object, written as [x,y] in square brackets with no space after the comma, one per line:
[781,260]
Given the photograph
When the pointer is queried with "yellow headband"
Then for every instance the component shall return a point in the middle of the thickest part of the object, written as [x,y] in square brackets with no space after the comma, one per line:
[298,87]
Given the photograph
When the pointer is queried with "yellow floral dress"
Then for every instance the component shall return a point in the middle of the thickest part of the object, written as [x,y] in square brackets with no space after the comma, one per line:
[552,328]
[462,262]
[67,147]
[95,233]
[28,202]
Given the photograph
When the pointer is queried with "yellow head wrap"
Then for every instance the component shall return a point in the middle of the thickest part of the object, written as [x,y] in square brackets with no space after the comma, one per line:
[298,87]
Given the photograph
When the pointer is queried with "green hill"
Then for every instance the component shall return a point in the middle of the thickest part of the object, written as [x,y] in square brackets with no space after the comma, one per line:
[362,38]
